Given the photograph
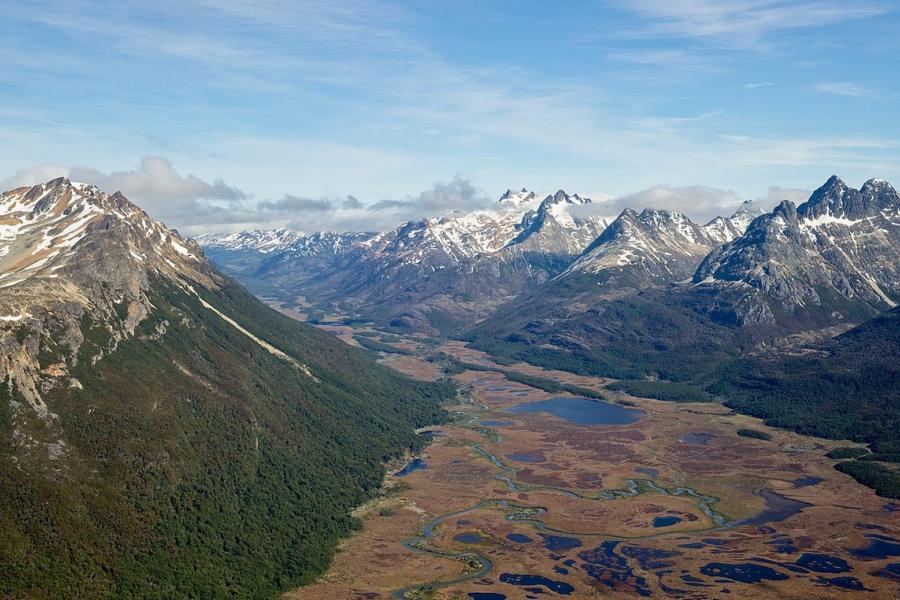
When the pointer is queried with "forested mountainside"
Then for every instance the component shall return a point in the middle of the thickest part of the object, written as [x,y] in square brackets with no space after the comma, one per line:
[845,388]
[163,433]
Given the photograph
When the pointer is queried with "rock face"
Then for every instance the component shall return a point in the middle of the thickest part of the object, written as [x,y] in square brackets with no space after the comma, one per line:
[69,251]
[834,257]
[653,246]
[725,229]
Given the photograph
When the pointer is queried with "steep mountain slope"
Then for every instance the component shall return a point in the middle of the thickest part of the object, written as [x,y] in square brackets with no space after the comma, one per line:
[436,274]
[162,433]
[835,257]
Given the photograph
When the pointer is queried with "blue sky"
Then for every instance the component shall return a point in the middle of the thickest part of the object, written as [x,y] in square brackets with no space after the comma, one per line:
[221,115]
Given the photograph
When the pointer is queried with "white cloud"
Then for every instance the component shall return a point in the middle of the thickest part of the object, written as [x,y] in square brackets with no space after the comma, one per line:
[193,205]
[180,201]
[699,202]
[844,88]
[776,194]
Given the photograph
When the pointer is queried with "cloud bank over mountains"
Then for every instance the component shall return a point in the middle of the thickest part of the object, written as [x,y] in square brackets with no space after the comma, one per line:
[193,205]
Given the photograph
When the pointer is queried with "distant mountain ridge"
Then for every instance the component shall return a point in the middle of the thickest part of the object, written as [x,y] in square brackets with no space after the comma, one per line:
[444,272]
[428,274]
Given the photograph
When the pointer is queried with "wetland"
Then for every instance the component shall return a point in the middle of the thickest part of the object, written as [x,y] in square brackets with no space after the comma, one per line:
[537,494]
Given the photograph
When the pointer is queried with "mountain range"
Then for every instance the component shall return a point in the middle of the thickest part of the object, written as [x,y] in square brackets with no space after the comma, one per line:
[651,295]
[807,270]
[440,274]
[429,275]
[162,432]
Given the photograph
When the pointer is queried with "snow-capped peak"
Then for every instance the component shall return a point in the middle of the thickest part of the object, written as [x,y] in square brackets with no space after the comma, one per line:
[259,240]
[725,229]
[516,199]
[41,228]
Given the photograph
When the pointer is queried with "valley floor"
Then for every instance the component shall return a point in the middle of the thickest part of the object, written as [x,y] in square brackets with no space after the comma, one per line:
[673,504]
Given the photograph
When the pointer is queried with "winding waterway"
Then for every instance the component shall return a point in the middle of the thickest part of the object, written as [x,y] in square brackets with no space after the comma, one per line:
[477,565]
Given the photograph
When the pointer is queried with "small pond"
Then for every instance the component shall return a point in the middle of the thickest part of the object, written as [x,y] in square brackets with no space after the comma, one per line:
[666,521]
[413,465]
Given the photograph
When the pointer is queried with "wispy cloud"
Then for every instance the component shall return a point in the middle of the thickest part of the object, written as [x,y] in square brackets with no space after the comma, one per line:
[844,88]
[178,200]
[757,84]
[835,153]
[743,23]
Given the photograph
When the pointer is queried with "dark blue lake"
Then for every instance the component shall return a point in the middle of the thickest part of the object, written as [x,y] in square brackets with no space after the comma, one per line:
[742,572]
[470,537]
[880,546]
[519,538]
[778,508]
[808,481]
[560,542]
[560,587]
[583,411]
[665,521]
[413,465]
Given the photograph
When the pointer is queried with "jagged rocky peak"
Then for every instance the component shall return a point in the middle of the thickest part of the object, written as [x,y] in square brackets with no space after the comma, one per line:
[836,200]
[838,253]
[516,199]
[47,230]
[659,244]
[561,197]
[877,186]
[725,229]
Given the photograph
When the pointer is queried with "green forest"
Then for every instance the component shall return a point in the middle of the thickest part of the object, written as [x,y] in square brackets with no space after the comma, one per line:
[199,464]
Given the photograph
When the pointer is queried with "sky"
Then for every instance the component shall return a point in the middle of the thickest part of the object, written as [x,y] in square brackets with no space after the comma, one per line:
[361,114]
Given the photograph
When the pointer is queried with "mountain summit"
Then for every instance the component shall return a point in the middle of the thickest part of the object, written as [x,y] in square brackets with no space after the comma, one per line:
[837,254]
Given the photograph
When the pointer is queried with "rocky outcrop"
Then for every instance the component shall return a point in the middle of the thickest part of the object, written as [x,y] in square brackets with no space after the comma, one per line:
[834,257]
[72,259]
